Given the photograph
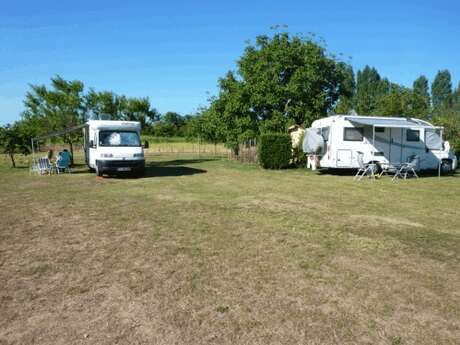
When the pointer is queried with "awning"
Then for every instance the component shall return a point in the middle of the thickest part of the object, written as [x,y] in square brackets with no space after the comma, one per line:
[396,122]
[59,133]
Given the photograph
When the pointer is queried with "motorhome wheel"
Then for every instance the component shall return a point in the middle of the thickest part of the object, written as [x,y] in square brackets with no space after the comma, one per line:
[446,166]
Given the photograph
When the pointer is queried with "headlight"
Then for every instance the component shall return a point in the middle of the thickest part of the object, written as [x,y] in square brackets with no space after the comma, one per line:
[138,155]
[106,155]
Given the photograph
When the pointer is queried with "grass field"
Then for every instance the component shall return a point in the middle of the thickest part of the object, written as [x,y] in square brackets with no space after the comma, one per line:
[207,251]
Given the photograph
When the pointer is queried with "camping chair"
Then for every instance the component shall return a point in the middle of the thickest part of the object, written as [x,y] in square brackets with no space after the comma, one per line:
[364,169]
[63,163]
[407,169]
[45,166]
[35,168]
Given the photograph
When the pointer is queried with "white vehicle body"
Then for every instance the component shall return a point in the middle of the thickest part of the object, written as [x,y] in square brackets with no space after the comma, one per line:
[113,146]
[386,140]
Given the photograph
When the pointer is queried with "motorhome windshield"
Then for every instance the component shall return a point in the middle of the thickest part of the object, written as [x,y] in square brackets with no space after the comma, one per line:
[119,138]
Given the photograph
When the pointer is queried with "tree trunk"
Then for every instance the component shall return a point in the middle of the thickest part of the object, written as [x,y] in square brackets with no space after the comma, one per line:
[12,159]
[71,152]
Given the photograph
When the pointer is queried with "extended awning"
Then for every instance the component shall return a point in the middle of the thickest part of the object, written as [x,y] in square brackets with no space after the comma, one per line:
[433,133]
[389,122]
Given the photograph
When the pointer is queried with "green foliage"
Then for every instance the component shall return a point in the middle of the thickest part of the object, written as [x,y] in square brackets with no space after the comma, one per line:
[109,106]
[421,89]
[274,150]
[402,102]
[280,80]
[441,89]
[450,120]
[14,139]
[369,88]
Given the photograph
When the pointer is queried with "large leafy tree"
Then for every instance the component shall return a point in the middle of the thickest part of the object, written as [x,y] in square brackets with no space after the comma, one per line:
[14,139]
[441,89]
[421,89]
[345,103]
[60,107]
[280,80]
[109,105]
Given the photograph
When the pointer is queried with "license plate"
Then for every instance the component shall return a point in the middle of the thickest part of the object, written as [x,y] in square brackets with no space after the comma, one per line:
[123,169]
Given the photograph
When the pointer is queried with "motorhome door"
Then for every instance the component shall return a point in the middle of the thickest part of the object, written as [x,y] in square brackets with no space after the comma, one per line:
[344,158]
[396,145]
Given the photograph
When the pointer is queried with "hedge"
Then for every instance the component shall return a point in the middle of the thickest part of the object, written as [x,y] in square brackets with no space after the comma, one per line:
[275,150]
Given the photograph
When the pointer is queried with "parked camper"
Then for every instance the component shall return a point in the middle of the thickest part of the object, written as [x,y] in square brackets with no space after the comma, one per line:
[338,140]
[113,147]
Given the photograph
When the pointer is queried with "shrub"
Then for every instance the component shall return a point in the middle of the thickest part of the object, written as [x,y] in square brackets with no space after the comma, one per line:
[275,150]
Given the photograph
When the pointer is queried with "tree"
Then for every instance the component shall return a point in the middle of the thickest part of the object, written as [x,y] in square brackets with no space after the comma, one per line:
[450,120]
[456,100]
[421,89]
[401,101]
[59,108]
[441,89]
[14,140]
[280,80]
[104,105]
[369,88]
[109,105]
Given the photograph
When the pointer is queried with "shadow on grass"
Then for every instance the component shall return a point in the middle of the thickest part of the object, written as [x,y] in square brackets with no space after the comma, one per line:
[174,167]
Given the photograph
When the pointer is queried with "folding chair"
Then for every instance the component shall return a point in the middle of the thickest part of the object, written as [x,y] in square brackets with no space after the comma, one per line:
[63,164]
[364,169]
[45,166]
[407,169]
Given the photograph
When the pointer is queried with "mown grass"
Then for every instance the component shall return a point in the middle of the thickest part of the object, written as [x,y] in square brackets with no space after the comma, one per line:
[204,250]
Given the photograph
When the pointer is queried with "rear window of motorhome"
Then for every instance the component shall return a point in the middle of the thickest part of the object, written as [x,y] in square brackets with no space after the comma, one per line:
[353,134]
[413,135]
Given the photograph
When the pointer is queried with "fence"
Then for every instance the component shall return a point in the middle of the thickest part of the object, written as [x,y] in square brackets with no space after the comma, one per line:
[247,152]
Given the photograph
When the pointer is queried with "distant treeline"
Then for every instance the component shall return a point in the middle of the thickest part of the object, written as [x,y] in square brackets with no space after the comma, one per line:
[280,80]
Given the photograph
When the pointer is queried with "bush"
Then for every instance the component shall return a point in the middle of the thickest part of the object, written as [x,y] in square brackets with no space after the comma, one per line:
[275,150]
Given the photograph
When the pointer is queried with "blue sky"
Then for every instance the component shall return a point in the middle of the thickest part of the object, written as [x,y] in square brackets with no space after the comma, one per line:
[174,51]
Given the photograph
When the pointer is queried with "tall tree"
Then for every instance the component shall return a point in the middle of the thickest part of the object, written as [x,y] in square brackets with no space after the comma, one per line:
[61,107]
[456,99]
[441,89]
[421,89]
[369,87]
[280,80]
[345,103]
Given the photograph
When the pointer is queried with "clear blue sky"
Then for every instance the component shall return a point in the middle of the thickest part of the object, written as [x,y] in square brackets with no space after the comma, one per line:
[174,51]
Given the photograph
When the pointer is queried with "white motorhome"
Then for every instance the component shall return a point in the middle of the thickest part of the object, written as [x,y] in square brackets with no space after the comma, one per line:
[338,140]
[113,147]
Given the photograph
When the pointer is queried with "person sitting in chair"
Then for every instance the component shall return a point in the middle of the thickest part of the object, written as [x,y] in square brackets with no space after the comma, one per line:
[63,160]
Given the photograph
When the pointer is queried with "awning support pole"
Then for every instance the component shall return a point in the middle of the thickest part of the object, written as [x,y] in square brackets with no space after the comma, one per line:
[439,158]
[373,143]
[33,152]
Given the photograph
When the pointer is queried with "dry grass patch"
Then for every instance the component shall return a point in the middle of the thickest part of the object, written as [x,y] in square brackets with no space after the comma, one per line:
[230,255]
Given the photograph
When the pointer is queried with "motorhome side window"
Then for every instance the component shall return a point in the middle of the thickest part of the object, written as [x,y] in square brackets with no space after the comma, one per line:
[325,133]
[379,129]
[412,135]
[353,134]
[119,138]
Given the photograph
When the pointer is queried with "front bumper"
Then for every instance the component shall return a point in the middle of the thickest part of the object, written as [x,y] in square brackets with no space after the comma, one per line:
[117,166]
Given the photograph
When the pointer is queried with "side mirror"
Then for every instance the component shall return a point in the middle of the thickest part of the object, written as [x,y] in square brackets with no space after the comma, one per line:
[146,144]
[91,144]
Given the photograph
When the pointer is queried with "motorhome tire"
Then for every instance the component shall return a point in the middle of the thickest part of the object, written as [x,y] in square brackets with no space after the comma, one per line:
[446,166]
[98,169]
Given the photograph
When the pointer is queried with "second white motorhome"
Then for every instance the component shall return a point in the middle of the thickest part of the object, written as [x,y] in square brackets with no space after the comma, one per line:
[338,140]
